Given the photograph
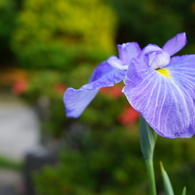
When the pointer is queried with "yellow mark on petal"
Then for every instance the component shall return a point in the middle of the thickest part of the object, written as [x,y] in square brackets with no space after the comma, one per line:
[164,72]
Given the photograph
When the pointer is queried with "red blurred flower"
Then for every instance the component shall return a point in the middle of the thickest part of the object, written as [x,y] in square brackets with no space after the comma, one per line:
[19,86]
[59,88]
[128,116]
[115,92]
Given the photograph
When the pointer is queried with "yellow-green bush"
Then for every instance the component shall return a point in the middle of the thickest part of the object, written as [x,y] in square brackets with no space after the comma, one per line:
[57,33]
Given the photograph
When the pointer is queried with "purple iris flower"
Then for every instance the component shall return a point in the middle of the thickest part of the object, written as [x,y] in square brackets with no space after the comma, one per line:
[162,88]
[106,74]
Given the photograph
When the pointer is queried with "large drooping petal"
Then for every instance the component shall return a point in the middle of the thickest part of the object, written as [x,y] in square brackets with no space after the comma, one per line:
[165,98]
[175,44]
[76,100]
[182,72]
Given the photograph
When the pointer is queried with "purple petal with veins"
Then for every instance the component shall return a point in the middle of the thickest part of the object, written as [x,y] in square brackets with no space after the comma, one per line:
[167,104]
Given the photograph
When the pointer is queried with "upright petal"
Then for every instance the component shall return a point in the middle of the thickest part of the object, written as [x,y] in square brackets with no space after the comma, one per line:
[127,51]
[175,44]
[76,100]
[148,53]
[167,104]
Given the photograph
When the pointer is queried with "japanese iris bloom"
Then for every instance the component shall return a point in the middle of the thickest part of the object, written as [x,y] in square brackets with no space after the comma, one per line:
[160,87]
[106,74]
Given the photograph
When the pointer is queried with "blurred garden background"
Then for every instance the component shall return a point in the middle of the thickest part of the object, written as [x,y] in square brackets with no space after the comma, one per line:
[47,46]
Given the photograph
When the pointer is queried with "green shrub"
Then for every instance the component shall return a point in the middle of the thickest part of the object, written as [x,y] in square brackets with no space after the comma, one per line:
[110,162]
[57,34]
[148,21]
[178,159]
[104,163]
[7,23]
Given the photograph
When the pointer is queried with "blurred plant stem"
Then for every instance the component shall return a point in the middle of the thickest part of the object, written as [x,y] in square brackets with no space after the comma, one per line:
[147,142]
[151,176]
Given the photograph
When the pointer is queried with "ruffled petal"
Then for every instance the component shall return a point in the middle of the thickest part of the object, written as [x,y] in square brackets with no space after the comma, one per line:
[76,100]
[175,44]
[127,51]
[166,104]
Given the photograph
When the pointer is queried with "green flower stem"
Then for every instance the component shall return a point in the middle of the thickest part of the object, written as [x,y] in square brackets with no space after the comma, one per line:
[151,176]
[147,142]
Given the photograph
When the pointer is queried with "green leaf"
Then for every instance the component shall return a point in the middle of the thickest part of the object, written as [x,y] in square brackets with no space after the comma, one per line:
[166,180]
[147,139]
[184,191]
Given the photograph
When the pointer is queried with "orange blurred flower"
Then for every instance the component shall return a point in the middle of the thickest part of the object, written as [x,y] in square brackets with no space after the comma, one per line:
[128,116]
[19,87]
[115,92]
[59,88]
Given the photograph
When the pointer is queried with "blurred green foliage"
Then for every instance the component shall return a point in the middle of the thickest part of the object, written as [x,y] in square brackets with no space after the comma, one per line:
[155,21]
[102,164]
[110,163]
[8,9]
[49,86]
[148,21]
[178,159]
[65,34]
[59,34]
[7,163]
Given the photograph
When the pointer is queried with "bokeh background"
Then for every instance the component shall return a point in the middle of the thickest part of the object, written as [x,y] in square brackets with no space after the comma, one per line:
[47,46]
